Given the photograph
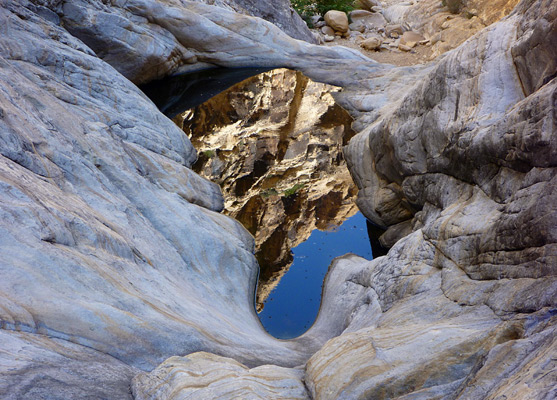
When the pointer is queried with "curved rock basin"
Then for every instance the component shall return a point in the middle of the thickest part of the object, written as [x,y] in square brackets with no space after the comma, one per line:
[273,142]
[292,306]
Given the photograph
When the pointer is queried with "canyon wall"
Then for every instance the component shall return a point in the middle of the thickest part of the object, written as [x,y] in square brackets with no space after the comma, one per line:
[115,257]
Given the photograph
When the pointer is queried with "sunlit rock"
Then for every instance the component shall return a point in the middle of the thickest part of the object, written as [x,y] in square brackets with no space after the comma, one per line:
[446,29]
[207,376]
[337,20]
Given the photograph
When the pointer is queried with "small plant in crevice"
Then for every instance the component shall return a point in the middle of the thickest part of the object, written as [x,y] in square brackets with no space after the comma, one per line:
[209,153]
[293,190]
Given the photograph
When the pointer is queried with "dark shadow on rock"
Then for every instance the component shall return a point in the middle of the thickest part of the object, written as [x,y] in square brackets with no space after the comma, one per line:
[176,94]
[374,232]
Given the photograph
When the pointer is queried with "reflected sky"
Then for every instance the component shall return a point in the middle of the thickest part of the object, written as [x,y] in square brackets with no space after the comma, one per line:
[293,305]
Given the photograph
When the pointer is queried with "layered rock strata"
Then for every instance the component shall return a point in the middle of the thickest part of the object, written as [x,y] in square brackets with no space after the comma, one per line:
[207,376]
[149,39]
[114,256]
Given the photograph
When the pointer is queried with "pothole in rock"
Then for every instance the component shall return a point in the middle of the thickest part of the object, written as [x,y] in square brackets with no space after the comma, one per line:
[273,142]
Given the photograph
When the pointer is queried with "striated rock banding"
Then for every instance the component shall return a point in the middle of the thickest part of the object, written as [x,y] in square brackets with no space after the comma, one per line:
[109,241]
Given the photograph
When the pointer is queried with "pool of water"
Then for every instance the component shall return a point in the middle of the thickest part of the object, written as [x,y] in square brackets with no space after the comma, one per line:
[292,306]
[264,112]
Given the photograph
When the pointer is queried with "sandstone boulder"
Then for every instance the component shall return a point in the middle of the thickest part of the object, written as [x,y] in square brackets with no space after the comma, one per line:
[337,20]
[327,31]
[394,31]
[373,43]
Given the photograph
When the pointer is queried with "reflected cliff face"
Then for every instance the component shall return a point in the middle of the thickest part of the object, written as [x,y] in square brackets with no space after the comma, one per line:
[274,144]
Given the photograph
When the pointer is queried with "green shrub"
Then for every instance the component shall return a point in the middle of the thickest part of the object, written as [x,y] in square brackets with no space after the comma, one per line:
[209,153]
[307,8]
[269,192]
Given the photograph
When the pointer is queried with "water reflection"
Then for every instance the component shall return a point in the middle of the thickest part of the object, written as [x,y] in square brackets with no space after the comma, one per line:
[292,306]
[273,142]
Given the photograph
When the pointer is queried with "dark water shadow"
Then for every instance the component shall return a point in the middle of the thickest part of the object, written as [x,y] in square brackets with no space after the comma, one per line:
[176,94]
[374,232]
[293,305]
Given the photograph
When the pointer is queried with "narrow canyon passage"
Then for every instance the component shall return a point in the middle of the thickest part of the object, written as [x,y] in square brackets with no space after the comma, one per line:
[273,142]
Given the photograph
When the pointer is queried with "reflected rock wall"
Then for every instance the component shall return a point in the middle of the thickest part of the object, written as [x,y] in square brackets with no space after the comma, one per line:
[274,144]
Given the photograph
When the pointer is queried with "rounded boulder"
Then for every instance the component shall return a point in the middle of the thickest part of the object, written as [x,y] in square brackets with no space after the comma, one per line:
[337,20]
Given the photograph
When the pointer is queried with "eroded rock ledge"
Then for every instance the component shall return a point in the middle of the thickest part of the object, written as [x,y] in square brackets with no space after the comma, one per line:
[109,241]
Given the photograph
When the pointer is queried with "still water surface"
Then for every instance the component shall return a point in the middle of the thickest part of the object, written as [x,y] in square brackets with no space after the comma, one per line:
[293,305]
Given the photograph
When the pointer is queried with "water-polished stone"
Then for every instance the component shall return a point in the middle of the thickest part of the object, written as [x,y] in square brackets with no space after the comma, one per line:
[109,241]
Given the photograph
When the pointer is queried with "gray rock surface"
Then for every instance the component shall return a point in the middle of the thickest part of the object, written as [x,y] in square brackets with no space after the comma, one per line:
[37,367]
[108,239]
[465,159]
[98,210]
[114,256]
[278,12]
[149,39]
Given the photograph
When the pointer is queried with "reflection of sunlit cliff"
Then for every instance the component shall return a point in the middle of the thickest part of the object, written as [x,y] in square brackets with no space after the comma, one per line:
[274,144]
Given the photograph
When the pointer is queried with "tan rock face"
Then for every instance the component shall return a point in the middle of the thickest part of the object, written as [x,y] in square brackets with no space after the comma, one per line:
[274,145]
[202,376]
[373,43]
[447,30]
[337,20]
[374,363]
